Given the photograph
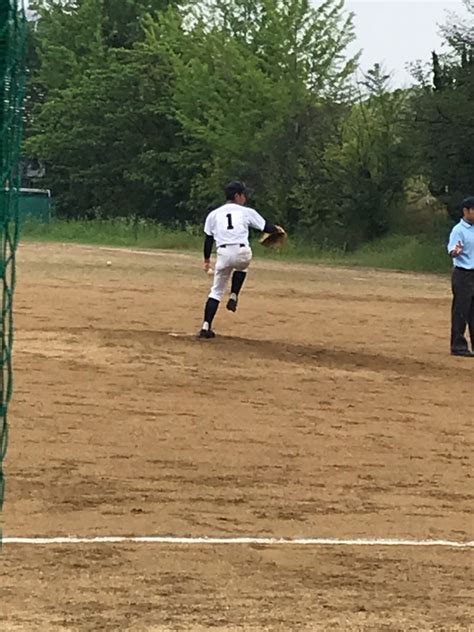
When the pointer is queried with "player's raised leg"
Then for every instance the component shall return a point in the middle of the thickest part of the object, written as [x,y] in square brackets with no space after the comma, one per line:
[238,278]
[241,262]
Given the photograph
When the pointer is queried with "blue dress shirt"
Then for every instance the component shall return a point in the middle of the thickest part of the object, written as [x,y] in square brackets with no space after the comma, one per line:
[463,232]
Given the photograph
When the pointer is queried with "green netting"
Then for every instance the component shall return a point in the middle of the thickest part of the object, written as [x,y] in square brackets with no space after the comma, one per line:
[12,79]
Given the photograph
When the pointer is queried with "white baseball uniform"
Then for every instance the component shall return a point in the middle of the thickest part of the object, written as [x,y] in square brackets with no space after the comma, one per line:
[229,226]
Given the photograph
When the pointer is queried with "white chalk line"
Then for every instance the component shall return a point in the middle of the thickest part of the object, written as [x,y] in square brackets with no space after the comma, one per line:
[170,540]
[148,253]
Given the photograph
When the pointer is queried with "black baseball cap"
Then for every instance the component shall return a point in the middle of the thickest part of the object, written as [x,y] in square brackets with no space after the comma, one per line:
[468,202]
[233,188]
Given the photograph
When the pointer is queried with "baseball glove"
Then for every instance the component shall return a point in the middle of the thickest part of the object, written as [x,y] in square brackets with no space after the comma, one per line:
[274,240]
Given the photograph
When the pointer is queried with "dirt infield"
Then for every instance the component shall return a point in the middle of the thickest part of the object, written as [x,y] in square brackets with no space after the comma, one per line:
[328,407]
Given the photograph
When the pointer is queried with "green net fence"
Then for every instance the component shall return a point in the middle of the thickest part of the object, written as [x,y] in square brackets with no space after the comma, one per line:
[13,31]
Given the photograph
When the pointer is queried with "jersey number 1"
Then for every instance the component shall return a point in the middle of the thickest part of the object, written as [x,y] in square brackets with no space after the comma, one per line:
[229,222]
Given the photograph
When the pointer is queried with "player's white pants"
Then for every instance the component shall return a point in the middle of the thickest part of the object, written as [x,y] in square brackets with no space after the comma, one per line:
[229,259]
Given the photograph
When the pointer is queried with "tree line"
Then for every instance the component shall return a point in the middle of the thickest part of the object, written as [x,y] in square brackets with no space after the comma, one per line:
[145,108]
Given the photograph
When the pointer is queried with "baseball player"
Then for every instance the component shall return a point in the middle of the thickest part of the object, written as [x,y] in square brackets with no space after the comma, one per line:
[228,225]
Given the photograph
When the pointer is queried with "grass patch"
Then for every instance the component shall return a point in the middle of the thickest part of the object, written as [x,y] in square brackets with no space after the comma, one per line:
[400,252]
[395,252]
[119,232]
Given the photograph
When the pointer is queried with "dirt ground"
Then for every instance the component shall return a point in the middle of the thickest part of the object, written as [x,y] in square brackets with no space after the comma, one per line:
[329,406]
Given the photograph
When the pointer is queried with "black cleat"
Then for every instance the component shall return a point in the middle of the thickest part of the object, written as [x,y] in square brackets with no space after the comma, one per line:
[232,304]
[206,333]
[465,353]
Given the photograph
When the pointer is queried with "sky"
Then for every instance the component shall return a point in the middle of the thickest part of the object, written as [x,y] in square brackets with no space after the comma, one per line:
[395,32]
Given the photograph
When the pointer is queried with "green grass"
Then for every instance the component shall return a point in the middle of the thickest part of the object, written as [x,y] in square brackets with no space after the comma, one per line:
[396,252]
[118,232]
[401,252]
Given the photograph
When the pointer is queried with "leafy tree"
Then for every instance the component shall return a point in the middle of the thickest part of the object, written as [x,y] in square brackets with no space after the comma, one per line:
[365,166]
[100,136]
[247,77]
[445,118]
[97,117]
[148,107]
[68,39]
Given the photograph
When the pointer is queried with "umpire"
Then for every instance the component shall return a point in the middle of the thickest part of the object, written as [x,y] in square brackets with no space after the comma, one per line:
[461,249]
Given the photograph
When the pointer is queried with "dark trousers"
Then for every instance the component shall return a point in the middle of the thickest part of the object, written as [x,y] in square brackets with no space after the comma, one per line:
[462,311]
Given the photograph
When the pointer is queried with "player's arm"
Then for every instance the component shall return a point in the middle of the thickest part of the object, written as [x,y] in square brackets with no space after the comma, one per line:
[208,243]
[208,240]
[271,228]
[260,223]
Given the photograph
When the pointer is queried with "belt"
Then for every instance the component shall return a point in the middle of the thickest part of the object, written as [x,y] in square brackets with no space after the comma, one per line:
[225,245]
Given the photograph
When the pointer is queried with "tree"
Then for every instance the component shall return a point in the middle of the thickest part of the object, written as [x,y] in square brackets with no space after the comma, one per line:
[247,75]
[365,167]
[445,118]
[98,117]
